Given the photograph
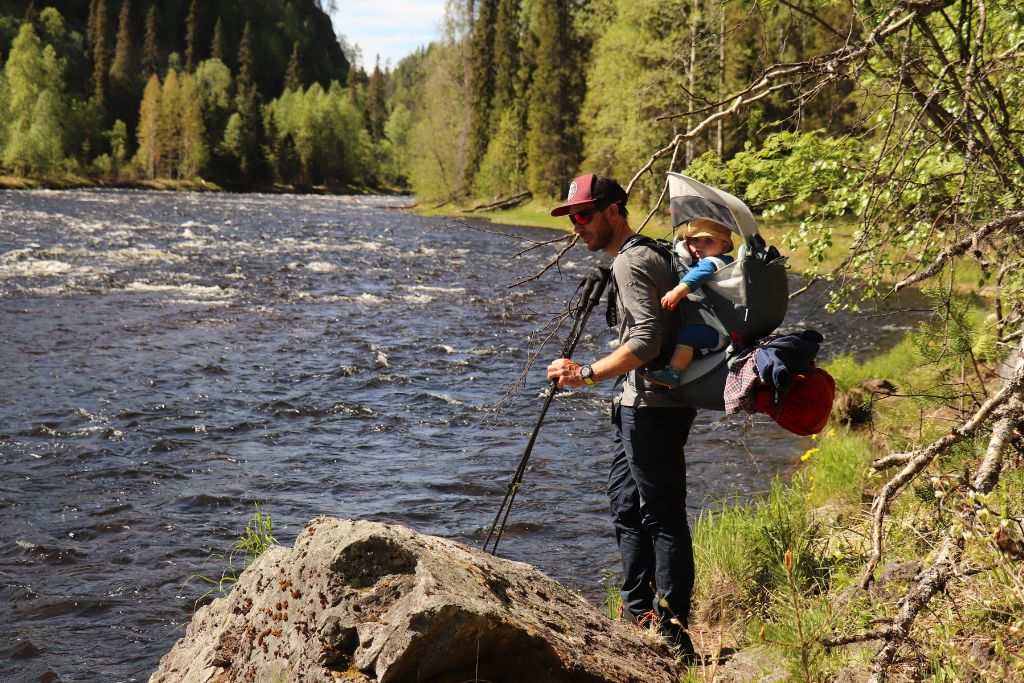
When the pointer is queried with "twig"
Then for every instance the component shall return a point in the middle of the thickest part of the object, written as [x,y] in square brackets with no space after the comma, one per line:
[917,460]
[960,247]
[863,636]
[537,245]
[988,472]
[469,226]
[664,191]
[505,202]
[931,582]
[553,262]
[1012,336]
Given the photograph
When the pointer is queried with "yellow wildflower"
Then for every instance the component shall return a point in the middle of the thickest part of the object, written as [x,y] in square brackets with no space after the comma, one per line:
[808,453]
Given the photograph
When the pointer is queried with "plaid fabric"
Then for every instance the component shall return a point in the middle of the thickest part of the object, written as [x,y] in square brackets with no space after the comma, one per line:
[740,384]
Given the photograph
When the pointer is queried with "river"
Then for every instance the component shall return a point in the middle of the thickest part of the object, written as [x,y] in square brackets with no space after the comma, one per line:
[171,360]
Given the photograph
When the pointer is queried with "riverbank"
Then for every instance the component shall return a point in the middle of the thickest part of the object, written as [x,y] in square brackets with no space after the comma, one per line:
[73,181]
[780,579]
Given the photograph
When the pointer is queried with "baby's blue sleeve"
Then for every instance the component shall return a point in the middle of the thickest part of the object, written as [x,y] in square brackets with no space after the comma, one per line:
[698,274]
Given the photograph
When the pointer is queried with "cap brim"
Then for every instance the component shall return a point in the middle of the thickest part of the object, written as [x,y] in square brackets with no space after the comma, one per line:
[568,208]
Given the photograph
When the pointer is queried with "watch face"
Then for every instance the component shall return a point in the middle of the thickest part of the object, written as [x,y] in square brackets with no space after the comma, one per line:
[586,372]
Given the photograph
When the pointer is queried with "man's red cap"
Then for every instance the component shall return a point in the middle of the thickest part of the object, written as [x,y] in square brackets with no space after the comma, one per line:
[590,190]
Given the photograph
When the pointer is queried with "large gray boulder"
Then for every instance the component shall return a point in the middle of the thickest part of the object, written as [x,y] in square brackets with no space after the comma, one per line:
[368,601]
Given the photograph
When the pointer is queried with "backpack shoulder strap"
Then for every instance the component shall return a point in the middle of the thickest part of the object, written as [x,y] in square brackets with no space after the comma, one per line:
[611,313]
[717,262]
[660,246]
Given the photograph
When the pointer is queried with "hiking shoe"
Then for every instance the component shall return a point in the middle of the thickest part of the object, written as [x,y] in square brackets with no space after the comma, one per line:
[666,377]
[680,645]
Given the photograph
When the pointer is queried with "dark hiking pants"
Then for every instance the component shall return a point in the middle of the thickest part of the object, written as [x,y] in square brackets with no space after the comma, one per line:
[647,489]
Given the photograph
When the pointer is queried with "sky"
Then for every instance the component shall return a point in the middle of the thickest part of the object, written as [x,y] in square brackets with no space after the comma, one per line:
[390,28]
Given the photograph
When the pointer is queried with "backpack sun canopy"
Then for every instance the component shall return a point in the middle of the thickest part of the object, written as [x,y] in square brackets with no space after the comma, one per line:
[690,199]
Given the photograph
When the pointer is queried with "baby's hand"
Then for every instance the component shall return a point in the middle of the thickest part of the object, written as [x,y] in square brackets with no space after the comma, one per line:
[671,299]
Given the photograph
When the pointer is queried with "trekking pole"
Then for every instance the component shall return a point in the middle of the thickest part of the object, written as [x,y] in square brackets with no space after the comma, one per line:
[591,289]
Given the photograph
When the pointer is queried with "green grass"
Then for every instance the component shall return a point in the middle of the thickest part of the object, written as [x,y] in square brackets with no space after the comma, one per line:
[836,468]
[897,364]
[256,538]
[821,516]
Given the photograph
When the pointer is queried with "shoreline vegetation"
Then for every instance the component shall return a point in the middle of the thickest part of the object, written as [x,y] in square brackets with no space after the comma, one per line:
[780,578]
[72,181]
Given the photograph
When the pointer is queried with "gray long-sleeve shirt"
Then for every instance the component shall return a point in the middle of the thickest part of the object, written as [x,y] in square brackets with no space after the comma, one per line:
[643,276]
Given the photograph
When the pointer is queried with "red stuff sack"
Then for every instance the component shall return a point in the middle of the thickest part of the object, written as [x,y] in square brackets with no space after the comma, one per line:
[805,407]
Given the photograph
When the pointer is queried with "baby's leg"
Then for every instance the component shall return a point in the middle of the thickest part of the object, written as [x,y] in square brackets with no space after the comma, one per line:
[681,357]
[691,339]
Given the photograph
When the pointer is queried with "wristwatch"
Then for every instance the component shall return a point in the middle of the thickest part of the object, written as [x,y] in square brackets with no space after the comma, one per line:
[587,374]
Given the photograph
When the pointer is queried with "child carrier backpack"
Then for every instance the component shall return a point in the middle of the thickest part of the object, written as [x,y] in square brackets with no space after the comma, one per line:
[749,297]
[745,300]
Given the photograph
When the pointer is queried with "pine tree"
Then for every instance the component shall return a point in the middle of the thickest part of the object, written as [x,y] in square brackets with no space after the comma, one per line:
[170,130]
[246,131]
[548,147]
[354,86]
[34,88]
[99,51]
[123,73]
[376,106]
[246,68]
[193,132]
[122,69]
[151,47]
[148,156]
[506,59]
[481,79]
[90,30]
[191,33]
[217,44]
[293,75]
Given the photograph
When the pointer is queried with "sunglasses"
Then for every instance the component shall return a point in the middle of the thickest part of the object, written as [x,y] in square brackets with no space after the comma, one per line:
[582,217]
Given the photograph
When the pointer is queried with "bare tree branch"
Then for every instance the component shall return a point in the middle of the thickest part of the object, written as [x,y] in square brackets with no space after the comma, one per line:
[917,460]
[551,264]
[961,247]
[537,245]
[931,582]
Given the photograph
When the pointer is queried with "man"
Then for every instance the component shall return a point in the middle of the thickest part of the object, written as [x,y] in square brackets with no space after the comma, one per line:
[647,482]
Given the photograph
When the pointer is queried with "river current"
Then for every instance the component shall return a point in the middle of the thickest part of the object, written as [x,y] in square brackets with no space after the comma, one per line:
[172,360]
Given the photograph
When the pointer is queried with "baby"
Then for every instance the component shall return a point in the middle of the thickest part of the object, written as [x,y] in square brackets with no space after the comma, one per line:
[708,243]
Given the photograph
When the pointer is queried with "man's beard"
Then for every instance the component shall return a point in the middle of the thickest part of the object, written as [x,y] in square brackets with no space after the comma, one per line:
[601,240]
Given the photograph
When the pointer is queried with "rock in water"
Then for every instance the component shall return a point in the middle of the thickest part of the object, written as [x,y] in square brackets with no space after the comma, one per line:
[364,601]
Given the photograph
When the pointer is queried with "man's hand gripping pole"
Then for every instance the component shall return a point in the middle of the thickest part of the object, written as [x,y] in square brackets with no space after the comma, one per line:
[590,290]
